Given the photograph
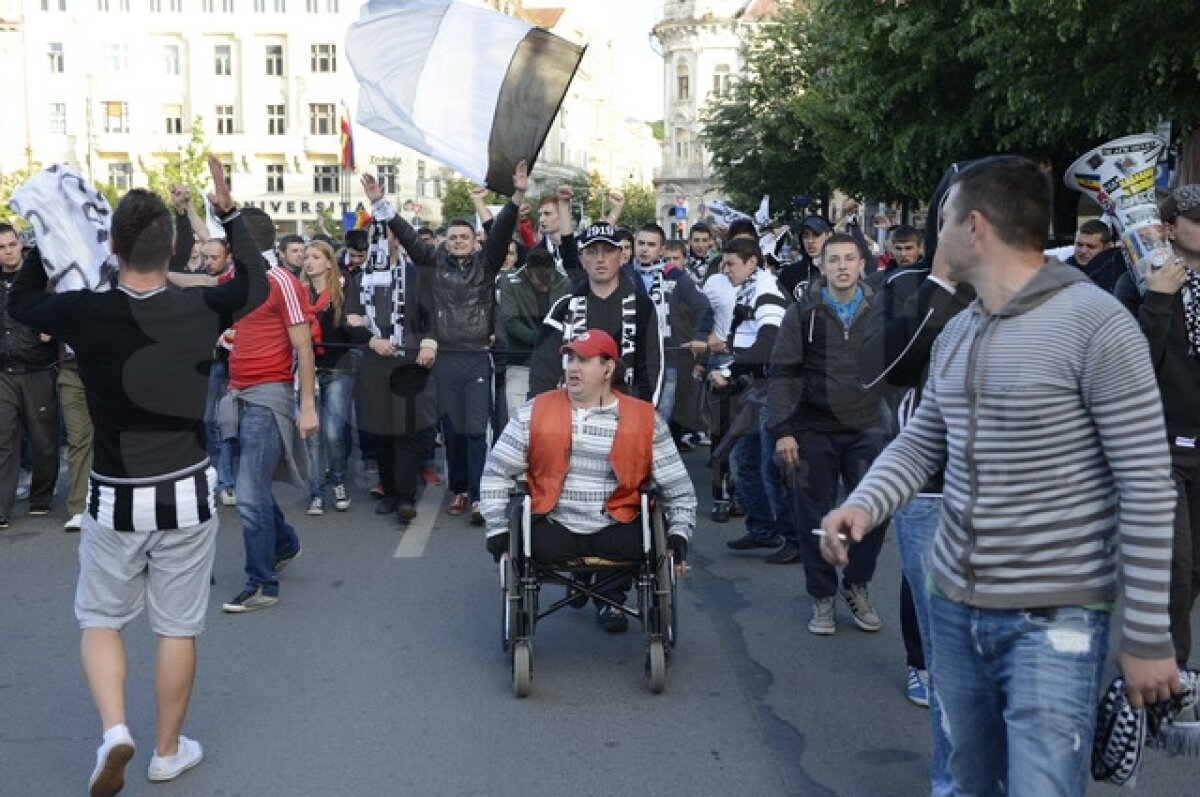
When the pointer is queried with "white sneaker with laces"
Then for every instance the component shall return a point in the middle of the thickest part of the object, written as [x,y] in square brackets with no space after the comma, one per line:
[317,506]
[74,523]
[164,768]
[228,497]
[341,501]
[114,753]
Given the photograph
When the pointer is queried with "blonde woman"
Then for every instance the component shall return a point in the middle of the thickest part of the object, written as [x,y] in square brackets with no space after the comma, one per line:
[327,451]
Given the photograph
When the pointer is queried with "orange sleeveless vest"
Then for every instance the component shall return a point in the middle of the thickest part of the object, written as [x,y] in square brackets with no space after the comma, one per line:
[631,456]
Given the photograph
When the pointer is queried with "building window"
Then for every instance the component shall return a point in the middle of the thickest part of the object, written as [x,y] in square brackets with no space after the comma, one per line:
[224,120]
[120,175]
[116,117]
[56,58]
[322,119]
[260,6]
[227,6]
[683,145]
[275,60]
[683,84]
[722,80]
[170,55]
[276,120]
[102,5]
[156,6]
[389,178]
[324,58]
[118,58]
[172,119]
[123,5]
[58,117]
[274,178]
[311,6]
[421,181]
[326,179]
[331,6]
[280,6]
[176,6]
[207,6]
[223,59]
[227,167]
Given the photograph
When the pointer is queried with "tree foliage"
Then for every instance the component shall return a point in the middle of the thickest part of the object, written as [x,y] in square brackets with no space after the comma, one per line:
[881,97]
[11,182]
[187,165]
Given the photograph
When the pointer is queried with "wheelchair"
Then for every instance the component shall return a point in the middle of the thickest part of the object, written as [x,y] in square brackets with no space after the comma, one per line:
[521,579]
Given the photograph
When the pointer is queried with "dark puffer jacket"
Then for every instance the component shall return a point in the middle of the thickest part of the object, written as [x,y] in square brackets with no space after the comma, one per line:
[21,347]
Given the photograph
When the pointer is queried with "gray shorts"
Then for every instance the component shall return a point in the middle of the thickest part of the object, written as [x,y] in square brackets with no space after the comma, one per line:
[168,572]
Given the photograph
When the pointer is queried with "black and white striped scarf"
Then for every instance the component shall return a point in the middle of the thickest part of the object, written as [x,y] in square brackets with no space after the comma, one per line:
[380,278]
[1191,310]
[577,324]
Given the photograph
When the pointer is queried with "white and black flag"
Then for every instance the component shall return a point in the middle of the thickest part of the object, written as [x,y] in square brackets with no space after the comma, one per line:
[467,86]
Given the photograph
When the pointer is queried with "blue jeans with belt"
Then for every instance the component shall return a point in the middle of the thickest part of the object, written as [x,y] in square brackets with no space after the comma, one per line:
[1019,690]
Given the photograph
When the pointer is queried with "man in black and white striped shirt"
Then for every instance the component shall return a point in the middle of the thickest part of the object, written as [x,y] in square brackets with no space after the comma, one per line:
[150,528]
[1041,402]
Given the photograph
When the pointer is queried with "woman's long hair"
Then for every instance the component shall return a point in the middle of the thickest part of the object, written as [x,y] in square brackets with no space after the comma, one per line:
[333,278]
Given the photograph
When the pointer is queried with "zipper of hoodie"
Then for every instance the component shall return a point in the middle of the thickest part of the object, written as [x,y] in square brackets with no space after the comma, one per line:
[973,392]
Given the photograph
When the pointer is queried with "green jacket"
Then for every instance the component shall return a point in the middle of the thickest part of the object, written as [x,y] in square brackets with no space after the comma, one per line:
[520,321]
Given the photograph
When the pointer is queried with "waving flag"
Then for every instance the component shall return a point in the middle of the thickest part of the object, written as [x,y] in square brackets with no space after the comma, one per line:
[465,85]
[347,148]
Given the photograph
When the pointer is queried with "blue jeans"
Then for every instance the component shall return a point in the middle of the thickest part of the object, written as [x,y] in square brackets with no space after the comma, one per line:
[268,538]
[1019,691]
[328,450]
[666,395]
[759,484]
[916,522]
[223,454]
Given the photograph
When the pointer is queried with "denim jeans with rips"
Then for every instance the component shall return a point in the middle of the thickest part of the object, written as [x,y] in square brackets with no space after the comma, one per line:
[1019,690]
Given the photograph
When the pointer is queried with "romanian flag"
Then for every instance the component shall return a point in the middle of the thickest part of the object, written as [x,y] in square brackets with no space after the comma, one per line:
[347,148]
[468,86]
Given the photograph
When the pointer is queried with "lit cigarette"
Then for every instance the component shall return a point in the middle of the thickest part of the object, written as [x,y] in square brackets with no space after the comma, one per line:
[821,533]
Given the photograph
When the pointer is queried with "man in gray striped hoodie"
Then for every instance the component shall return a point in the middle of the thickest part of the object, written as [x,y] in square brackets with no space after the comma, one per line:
[1041,401]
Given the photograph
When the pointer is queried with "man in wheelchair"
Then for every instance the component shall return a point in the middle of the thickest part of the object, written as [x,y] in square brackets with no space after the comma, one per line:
[587,453]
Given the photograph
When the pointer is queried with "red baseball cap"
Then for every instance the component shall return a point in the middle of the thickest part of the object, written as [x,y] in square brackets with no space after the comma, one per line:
[592,343]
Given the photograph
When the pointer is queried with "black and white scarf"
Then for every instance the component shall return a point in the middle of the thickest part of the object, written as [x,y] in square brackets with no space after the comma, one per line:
[1191,310]
[659,291]
[379,278]
[577,324]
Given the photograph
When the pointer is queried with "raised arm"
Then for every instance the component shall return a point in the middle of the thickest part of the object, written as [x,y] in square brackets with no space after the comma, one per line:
[248,289]
[495,247]
[421,253]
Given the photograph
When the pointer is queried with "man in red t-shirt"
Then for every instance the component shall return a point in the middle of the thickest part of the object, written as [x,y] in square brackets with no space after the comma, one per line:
[262,400]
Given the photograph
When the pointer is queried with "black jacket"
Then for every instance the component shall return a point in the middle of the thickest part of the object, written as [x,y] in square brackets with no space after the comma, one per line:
[1106,268]
[814,370]
[906,317]
[637,331]
[21,348]
[1161,318]
[463,290]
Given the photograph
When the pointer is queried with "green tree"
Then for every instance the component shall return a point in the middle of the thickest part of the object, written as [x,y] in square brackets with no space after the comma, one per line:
[758,138]
[456,199]
[188,166]
[640,206]
[11,182]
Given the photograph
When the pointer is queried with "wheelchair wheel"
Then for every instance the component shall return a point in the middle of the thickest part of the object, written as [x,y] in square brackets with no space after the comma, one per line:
[522,668]
[508,603]
[656,667]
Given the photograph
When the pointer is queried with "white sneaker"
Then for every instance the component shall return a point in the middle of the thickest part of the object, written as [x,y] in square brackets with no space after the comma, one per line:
[108,777]
[74,523]
[164,768]
[228,498]
[316,506]
[341,501]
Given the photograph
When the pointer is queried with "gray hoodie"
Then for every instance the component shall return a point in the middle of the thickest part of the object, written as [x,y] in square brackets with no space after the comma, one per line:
[1049,421]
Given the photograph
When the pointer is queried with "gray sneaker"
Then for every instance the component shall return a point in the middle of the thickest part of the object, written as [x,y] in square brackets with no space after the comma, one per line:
[859,603]
[822,622]
[250,601]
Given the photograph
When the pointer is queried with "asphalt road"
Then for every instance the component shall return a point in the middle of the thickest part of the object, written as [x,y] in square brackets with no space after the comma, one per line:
[380,673]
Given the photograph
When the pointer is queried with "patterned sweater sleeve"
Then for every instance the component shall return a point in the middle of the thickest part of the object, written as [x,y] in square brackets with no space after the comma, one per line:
[673,483]
[507,460]
[1119,387]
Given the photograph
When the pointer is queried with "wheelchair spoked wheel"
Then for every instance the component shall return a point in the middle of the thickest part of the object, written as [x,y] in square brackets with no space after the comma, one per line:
[656,666]
[509,599]
[522,668]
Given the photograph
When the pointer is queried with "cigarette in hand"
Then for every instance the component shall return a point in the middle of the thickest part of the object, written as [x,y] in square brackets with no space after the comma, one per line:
[821,533]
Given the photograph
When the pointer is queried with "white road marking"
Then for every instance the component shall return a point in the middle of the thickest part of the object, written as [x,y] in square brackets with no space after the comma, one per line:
[416,534]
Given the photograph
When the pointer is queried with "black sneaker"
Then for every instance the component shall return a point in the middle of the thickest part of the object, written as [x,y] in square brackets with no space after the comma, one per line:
[789,554]
[3,523]
[612,620]
[39,510]
[283,563]
[684,445]
[749,542]
[406,510]
[736,509]
[577,598]
[250,600]
[720,512]
[386,506]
